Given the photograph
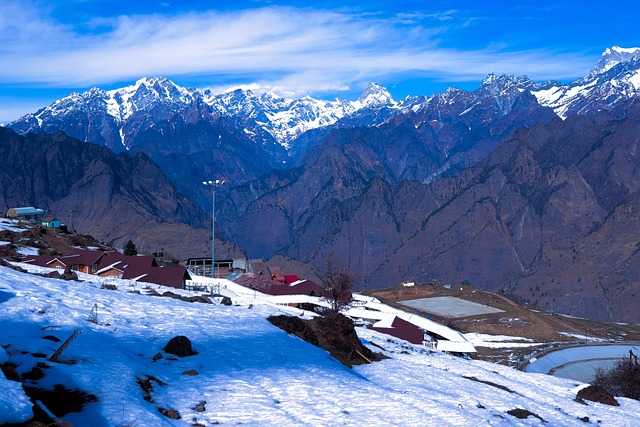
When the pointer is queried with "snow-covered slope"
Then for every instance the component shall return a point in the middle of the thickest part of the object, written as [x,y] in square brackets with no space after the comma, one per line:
[251,372]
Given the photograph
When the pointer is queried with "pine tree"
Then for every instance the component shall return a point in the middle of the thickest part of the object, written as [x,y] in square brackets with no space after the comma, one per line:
[130,248]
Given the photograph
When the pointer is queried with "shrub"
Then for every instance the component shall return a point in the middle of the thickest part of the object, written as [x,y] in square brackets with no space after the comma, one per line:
[623,379]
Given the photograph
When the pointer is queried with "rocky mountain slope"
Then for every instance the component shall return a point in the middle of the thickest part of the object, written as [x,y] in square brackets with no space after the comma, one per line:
[112,197]
[520,186]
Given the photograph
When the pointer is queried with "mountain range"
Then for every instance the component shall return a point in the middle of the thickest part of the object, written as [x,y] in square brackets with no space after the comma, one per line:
[525,187]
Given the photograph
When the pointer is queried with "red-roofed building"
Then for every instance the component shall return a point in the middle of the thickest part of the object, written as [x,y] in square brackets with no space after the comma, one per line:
[402,329]
[273,287]
[142,268]
[81,260]
[290,278]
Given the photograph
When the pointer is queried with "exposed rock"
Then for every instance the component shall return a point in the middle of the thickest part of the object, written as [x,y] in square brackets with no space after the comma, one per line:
[109,287]
[51,338]
[190,372]
[63,173]
[180,346]
[70,275]
[195,298]
[200,407]
[53,275]
[226,301]
[170,413]
[598,394]
[157,357]
[146,385]
[523,413]
[34,374]
[61,400]
[334,333]
[9,371]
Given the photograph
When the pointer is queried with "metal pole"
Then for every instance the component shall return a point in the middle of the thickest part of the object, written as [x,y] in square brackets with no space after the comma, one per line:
[213,229]
[213,185]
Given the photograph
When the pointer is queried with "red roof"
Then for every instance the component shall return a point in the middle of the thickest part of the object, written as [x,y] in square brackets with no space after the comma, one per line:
[168,275]
[289,279]
[77,257]
[131,263]
[273,287]
[404,330]
[39,260]
[84,257]
[142,268]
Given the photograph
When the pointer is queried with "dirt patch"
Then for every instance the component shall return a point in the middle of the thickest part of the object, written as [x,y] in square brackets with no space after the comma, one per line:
[501,387]
[61,401]
[197,298]
[334,333]
[523,414]
[595,393]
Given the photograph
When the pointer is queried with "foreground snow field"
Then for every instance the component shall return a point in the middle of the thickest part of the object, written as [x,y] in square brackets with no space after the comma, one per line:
[251,372]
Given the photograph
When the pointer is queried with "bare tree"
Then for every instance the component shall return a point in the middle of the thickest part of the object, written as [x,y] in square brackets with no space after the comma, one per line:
[337,285]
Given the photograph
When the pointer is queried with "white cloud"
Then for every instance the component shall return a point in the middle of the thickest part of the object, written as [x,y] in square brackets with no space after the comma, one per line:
[291,50]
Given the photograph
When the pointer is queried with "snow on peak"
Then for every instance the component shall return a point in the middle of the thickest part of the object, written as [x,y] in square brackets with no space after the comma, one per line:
[147,91]
[613,56]
[375,95]
[506,80]
[491,77]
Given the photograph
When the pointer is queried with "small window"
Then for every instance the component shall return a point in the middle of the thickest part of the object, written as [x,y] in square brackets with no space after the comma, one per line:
[74,268]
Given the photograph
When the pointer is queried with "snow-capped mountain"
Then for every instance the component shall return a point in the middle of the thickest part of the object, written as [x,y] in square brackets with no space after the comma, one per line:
[283,118]
[116,116]
[613,80]
[611,57]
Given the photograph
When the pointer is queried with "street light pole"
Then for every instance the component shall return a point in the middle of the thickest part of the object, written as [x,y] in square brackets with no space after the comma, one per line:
[213,185]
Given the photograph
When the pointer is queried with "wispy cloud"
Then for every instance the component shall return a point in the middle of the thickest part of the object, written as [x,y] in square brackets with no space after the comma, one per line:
[288,49]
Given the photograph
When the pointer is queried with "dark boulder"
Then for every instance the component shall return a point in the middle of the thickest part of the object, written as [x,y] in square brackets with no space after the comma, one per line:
[70,275]
[180,346]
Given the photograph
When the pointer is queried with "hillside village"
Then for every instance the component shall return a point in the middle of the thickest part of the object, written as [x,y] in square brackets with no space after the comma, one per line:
[244,276]
[407,330]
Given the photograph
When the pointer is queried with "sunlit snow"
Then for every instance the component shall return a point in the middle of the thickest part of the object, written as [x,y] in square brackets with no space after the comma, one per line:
[253,373]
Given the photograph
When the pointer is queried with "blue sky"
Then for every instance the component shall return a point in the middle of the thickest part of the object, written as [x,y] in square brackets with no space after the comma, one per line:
[324,49]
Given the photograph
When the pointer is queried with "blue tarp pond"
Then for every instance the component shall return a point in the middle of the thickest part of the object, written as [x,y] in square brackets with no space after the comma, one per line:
[580,363]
